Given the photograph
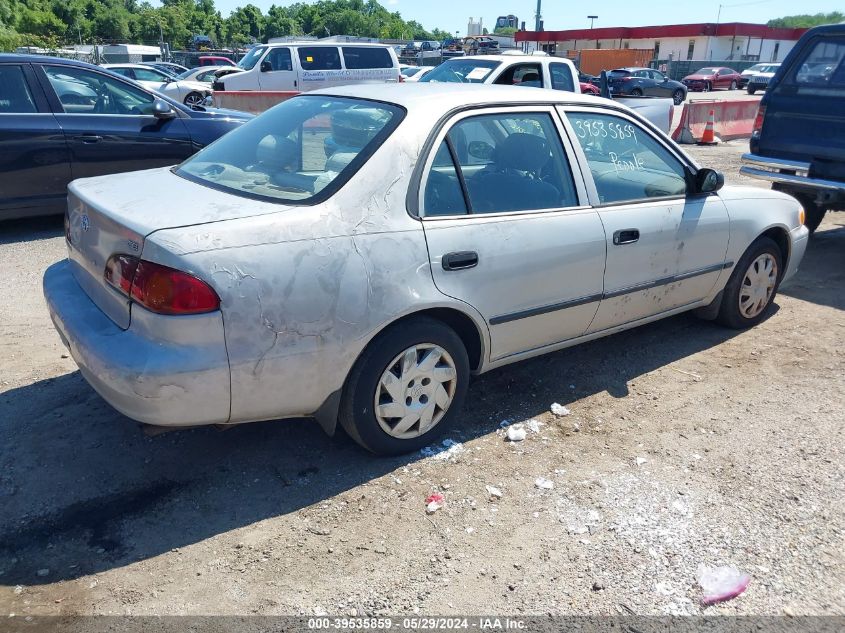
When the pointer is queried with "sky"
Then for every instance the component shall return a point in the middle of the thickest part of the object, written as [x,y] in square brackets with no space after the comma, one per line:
[453,15]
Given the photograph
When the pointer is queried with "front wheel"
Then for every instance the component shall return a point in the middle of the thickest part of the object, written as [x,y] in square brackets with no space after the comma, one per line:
[751,89]
[678,97]
[194,99]
[407,388]
[636,92]
[752,285]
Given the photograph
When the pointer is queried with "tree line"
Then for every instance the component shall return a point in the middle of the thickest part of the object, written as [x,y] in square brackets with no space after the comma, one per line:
[54,23]
[806,21]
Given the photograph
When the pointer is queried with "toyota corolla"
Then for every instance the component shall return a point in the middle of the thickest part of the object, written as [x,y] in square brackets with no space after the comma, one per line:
[356,255]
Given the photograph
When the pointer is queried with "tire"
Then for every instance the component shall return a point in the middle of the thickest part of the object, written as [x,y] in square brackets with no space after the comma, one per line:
[358,413]
[733,85]
[636,92]
[753,263]
[679,97]
[193,99]
[751,89]
[708,86]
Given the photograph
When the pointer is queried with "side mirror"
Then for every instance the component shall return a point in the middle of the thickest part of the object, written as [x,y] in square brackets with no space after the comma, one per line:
[266,66]
[709,180]
[163,110]
[480,150]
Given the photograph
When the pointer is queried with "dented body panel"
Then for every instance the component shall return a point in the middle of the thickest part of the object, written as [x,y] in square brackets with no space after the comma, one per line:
[305,288]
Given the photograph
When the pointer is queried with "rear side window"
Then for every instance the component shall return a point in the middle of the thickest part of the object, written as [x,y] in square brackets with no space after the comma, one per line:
[561,77]
[319,58]
[357,57]
[823,65]
[15,97]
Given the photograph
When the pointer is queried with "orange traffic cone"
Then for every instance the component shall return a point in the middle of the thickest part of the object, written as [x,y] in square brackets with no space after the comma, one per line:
[709,137]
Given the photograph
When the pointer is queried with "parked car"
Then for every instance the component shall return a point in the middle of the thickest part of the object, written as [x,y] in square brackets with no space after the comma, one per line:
[480,45]
[712,78]
[226,302]
[589,89]
[62,119]
[312,65]
[746,74]
[415,73]
[761,78]
[798,142]
[637,82]
[168,67]
[200,43]
[538,72]
[207,74]
[215,60]
[191,93]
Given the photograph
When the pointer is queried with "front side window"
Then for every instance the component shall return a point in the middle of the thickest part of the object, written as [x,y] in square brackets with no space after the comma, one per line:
[501,163]
[522,75]
[82,91]
[626,162]
[467,71]
[319,58]
[561,77]
[280,59]
[361,57]
[822,66]
[301,151]
[15,97]
[249,60]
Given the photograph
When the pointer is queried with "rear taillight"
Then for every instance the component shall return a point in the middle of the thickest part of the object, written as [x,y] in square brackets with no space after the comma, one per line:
[758,121]
[158,288]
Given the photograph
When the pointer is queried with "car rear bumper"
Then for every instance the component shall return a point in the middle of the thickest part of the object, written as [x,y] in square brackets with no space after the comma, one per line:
[786,172]
[163,370]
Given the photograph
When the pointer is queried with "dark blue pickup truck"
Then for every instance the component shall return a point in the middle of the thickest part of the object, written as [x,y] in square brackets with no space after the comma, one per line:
[798,142]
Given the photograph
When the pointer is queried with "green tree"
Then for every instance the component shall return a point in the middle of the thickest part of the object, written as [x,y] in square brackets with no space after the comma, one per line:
[807,21]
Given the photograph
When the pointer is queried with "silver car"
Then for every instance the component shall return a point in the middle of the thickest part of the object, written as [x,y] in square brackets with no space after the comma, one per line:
[355,255]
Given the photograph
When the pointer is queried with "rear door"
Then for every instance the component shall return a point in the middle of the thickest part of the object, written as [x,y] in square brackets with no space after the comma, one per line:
[34,157]
[508,230]
[321,67]
[109,124]
[805,108]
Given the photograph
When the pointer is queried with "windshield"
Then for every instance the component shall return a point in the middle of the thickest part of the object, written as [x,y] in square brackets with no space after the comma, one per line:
[301,151]
[467,71]
[185,74]
[251,58]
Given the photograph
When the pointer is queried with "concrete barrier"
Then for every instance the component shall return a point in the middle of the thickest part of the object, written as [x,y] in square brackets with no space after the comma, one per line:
[252,101]
[734,119]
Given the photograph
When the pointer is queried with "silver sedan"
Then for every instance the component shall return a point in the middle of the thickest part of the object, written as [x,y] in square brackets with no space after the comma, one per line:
[355,255]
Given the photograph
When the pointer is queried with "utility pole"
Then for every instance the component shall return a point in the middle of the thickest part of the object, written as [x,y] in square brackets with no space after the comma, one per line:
[538,17]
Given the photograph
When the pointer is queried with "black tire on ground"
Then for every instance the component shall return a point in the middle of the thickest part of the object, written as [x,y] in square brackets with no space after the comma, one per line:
[636,92]
[733,85]
[679,97]
[729,312]
[357,415]
[751,89]
[707,86]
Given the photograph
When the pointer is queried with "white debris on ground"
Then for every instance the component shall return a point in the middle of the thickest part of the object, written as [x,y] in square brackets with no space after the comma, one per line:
[544,484]
[445,451]
[516,433]
[641,461]
[534,425]
[493,491]
[721,583]
[559,410]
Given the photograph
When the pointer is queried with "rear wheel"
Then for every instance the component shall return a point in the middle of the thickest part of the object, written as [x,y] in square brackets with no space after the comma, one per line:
[407,388]
[733,85]
[636,92]
[194,99]
[708,86]
[678,97]
[752,285]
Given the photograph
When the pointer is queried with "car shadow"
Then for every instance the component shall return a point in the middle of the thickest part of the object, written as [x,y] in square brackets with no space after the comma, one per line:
[821,277]
[31,229]
[83,490]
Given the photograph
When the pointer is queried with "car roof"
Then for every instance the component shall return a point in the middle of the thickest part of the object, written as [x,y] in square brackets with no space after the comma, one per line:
[448,96]
[317,43]
[20,58]
[128,65]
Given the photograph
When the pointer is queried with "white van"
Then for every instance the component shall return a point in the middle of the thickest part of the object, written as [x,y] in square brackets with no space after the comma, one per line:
[312,65]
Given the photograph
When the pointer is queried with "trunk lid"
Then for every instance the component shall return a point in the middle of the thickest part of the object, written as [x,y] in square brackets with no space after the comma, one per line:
[114,214]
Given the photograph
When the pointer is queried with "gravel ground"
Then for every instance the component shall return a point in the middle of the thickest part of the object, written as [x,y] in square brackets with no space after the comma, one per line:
[686,444]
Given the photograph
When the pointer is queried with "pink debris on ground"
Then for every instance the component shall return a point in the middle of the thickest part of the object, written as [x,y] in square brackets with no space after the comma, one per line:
[721,583]
[434,502]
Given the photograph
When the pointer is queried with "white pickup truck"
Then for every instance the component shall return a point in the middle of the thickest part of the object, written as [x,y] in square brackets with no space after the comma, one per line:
[539,72]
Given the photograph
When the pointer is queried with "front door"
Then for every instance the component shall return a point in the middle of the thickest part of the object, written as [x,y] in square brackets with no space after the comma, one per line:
[665,249]
[109,124]
[277,71]
[508,230]
[34,157]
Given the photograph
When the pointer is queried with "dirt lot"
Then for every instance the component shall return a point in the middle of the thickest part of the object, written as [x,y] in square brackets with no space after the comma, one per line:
[687,444]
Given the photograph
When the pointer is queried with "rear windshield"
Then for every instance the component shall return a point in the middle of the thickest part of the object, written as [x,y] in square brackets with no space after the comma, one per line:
[706,71]
[466,71]
[356,57]
[822,66]
[619,73]
[301,151]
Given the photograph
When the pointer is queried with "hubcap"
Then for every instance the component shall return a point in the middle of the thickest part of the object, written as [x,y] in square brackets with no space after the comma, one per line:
[415,391]
[758,285]
[193,100]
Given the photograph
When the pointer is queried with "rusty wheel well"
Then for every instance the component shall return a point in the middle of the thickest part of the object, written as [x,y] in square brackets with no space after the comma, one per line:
[781,238]
[463,326]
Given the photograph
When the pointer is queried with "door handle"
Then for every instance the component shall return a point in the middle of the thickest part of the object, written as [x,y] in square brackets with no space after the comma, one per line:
[626,236]
[460,260]
[90,138]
